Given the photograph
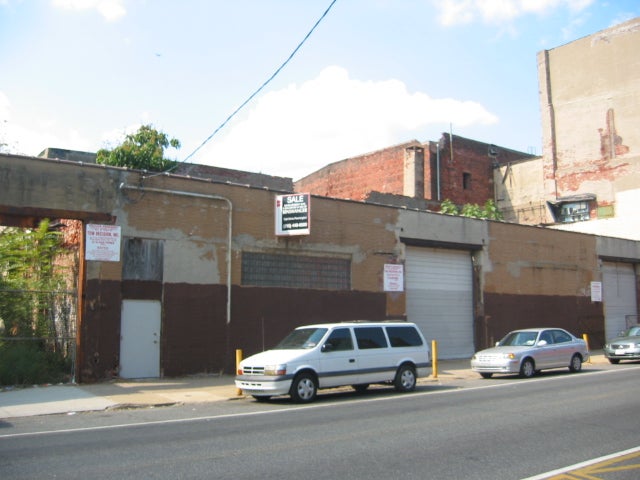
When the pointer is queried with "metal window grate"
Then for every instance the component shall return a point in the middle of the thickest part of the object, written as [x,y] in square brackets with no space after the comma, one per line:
[295,271]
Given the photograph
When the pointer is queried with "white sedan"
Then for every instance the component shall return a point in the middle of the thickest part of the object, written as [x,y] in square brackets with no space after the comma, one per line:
[528,351]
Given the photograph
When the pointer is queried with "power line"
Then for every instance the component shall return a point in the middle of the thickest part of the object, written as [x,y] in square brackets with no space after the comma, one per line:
[264,84]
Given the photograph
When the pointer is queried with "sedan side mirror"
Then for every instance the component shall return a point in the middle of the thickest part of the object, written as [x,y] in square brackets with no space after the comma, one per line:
[542,343]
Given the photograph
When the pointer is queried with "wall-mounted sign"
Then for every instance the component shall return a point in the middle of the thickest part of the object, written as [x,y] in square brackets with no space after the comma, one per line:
[293,214]
[103,243]
[596,291]
[393,277]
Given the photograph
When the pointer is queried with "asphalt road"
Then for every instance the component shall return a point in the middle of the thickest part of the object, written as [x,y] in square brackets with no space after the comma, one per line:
[503,428]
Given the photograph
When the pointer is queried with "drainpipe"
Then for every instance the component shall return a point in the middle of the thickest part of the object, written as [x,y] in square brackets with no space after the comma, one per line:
[124,186]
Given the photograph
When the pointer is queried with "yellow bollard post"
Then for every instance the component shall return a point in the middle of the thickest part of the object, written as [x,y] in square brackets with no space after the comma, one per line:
[434,358]
[585,337]
[238,360]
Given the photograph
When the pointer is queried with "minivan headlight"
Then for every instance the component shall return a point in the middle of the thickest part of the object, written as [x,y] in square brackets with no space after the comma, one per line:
[275,369]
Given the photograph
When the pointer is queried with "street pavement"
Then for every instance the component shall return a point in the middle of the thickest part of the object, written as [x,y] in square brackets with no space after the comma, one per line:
[120,393]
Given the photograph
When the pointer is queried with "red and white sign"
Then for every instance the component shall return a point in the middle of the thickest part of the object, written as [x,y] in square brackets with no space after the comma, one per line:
[103,243]
[393,277]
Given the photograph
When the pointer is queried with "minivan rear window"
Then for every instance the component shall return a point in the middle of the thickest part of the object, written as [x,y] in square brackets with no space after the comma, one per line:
[404,337]
[370,337]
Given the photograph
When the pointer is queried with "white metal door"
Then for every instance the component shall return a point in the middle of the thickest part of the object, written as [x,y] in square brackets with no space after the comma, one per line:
[140,339]
[619,295]
[439,289]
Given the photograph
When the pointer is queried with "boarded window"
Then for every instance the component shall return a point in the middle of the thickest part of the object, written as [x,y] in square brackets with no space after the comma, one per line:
[142,259]
[295,271]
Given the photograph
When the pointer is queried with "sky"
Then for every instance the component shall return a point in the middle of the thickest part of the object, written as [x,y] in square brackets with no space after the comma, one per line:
[81,74]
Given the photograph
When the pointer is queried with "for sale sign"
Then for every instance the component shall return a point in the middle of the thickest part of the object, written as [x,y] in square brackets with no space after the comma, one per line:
[293,214]
[102,243]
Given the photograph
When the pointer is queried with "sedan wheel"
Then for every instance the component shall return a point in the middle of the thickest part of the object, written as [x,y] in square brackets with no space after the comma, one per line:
[576,363]
[527,368]
[304,388]
[614,361]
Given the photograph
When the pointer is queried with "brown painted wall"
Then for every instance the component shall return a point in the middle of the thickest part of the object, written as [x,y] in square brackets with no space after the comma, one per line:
[533,279]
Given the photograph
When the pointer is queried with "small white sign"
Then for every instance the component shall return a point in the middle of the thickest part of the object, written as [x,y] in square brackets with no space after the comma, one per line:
[103,243]
[393,277]
[596,291]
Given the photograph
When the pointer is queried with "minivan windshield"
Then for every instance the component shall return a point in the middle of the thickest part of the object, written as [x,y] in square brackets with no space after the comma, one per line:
[302,338]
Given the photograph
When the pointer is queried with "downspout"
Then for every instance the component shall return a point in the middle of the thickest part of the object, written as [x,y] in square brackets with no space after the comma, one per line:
[124,186]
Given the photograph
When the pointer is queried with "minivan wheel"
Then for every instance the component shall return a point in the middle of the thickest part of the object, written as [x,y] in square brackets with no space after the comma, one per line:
[527,368]
[576,363]
[303,388]
[486,374]
[405,380]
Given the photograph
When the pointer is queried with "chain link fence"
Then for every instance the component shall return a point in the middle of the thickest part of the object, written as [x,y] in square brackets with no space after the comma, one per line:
[37,337]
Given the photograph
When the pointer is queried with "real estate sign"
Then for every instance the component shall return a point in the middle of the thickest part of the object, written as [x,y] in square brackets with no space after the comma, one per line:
[293,214]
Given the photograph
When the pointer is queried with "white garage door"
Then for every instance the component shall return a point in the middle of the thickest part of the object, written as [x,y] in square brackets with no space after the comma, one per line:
[439,285]
[619,295]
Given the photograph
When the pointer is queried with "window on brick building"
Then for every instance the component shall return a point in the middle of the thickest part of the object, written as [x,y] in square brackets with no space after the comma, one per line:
[466,181]
[295,271]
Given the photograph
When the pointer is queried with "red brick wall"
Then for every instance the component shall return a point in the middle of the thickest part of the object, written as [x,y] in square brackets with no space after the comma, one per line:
[383,171]
[354,178]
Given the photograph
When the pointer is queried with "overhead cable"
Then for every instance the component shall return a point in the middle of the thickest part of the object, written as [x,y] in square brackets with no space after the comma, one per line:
[222,125]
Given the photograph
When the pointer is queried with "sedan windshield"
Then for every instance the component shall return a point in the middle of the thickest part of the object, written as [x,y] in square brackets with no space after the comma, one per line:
[302,338]
[632,332]
[517,339]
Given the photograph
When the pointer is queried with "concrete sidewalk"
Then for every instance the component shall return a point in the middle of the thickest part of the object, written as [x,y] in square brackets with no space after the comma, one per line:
[66,399]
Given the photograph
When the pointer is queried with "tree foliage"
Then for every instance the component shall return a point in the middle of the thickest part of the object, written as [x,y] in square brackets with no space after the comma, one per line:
[31,350]
[143,150]
[488,211]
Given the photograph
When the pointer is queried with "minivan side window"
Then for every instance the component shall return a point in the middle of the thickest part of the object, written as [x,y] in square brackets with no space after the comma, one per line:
[340,340]
[370,337]
[404,337]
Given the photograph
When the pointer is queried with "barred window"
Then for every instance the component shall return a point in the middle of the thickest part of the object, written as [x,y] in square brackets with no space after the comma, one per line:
[295,271]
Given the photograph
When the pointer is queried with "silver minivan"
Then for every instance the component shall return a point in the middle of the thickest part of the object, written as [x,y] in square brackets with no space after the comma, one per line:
[330,355]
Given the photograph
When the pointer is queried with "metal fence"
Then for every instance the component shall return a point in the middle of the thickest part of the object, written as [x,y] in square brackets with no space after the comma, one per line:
[37,336]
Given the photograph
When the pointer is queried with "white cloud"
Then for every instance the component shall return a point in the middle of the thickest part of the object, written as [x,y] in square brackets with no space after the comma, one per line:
[454,12]
[18,138]
[294,131]
[111,10]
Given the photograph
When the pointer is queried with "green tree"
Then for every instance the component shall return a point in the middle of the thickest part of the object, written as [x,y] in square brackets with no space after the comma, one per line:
[143,150]
[449,208]
[489,211]
[29,277]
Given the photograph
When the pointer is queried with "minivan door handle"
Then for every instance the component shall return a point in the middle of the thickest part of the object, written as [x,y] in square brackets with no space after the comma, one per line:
[352,360]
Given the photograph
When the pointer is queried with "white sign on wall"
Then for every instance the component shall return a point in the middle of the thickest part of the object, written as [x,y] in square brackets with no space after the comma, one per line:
[393,277]
[596,291]
[103,243]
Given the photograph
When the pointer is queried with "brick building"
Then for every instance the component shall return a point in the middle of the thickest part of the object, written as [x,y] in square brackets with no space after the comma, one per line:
[454,168]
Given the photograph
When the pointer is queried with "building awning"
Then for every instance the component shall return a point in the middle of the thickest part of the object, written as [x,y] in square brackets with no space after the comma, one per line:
[581,197]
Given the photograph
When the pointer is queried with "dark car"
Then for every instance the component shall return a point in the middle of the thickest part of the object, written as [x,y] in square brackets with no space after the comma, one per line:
[626,346]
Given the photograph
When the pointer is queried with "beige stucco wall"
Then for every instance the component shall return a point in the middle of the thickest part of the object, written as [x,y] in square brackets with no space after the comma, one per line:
[590,103]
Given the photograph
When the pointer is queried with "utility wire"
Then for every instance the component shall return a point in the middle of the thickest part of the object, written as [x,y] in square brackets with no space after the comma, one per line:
[263,85]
